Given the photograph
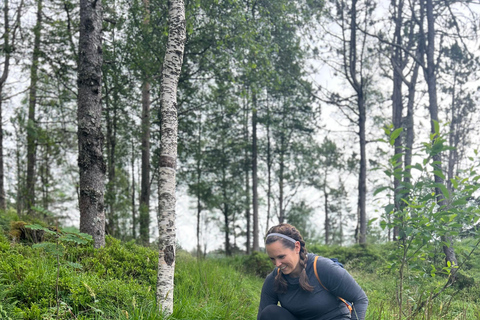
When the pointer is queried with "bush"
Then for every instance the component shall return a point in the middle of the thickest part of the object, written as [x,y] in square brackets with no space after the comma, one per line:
[360,257]
[258,264]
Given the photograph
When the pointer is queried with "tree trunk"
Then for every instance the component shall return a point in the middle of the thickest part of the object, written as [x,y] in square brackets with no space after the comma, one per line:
[452,138]
[90,137]
[397,101]
[32,103]
[111,121]
[362,184]
[145,184]
[247,180]
[134,212]
[256,246]
[327,220]
[281,216]
[431,79]
[3,202]
[198,187]
[358,86]
[3,80]
[172,67]
[269,170]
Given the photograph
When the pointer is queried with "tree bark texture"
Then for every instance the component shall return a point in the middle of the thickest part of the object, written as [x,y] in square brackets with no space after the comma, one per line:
[172,66]
[145,183]
[3,79]
[134,213]
[256,244]
[89,114]
[247,182]
[111,121]
[431,79]
[32,103]
[358,86]
[397,99]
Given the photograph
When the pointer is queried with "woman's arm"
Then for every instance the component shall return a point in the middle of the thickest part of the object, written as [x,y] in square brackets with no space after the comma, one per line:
[341,284]
[268,295]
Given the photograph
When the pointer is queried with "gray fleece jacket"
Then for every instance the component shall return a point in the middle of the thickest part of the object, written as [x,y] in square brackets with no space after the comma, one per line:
[319,304]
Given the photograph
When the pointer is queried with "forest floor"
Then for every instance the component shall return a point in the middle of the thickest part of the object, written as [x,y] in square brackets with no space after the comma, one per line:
[73,281]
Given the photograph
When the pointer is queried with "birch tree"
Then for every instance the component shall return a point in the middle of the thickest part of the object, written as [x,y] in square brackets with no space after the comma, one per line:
[89,115]
[172,66]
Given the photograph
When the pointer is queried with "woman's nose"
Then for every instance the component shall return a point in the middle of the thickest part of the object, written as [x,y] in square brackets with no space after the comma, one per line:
[278,263]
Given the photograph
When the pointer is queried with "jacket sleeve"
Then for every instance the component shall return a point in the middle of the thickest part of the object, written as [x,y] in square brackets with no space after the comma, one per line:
[340,283]
[268,295]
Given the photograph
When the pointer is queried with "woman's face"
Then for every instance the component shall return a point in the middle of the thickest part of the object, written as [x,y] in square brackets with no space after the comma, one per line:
[286,259]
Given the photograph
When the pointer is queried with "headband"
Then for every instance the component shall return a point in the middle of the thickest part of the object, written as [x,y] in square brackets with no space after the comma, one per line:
[281,236]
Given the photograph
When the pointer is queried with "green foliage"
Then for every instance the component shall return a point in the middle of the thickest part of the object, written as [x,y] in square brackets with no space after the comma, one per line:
[359,257]
[6,217]
[429,213]
[258,264]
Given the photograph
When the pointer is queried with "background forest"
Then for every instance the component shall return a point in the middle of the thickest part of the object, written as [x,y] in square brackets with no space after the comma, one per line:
[352,120]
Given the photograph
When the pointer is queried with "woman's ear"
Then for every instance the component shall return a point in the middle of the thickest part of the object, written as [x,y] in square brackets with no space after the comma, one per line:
[297,247]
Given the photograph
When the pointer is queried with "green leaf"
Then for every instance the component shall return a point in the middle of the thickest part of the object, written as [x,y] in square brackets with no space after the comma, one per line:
[389,208]
[39,227]
[460,202]
[442,188]
[383,224]
[395,135]
[74,265]
[454,183]
[372,221]
[439,173]
[380,189]
[436,126]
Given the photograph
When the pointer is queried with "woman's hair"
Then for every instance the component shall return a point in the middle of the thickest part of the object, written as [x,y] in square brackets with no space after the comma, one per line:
[280,284]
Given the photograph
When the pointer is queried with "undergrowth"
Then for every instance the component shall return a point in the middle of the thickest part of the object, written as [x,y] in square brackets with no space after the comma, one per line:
[119,280]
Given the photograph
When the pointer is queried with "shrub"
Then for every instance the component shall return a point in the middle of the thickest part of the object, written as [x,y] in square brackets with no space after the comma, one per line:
[361,257]
[258,264]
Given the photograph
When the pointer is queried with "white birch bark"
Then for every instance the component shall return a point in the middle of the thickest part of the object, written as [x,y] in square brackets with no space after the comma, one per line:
[172,66]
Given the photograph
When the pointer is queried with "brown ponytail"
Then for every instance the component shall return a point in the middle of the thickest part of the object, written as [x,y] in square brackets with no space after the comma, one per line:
[280,284]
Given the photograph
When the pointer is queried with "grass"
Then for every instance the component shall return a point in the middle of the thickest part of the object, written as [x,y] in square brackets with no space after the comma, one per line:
[118,282]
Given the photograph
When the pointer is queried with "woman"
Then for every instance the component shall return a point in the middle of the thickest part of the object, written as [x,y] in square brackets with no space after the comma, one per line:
[294,284]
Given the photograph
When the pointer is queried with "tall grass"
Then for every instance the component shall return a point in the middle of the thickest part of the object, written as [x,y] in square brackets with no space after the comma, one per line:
[118,282]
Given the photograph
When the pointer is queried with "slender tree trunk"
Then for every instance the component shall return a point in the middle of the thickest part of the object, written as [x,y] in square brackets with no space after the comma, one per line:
[145,184]
[172,67]
[397,99]
[362,184]
[431,79]
[32,103]
[198,187]
[327,219]
[269,169]
[256,245]
[281,217]
[452,137]
[358,86]
[111,121]
[409,123]
[134,211]
[3,202]
[247,180]
[3,79]
[90,137]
